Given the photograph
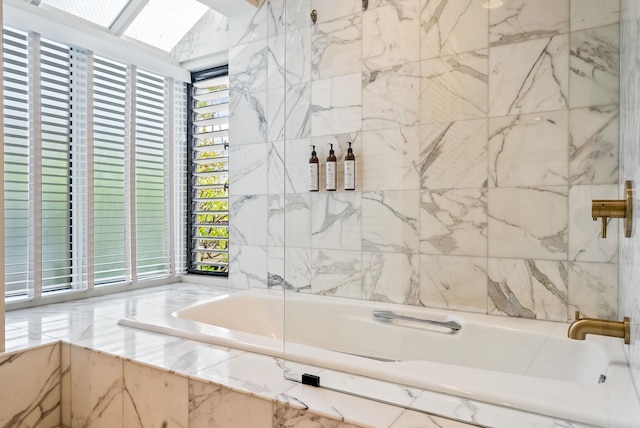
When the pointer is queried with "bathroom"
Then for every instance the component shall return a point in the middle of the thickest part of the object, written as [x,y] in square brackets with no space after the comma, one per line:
[481,133]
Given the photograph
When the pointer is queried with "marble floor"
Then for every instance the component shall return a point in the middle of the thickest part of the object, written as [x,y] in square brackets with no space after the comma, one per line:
[92,323]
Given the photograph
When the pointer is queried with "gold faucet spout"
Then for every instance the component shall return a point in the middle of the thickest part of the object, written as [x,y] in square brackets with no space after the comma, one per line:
[582,326]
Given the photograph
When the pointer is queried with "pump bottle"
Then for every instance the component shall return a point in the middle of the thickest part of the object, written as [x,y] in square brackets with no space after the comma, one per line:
[331,170]
[349,170]
[314,171]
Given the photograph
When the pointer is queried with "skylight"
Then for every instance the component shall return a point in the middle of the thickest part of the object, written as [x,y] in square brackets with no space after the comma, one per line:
[102,12]
[163,23]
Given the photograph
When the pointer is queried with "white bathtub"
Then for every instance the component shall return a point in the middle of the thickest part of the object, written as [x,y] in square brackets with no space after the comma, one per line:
[522,364]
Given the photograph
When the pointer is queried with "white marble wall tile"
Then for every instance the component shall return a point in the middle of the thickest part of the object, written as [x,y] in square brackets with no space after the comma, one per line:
[391,34]
[593,290]
[276,220]
[276,16]
[529,150]
[451,27]
[297,14]
[289,112]
[337,273]
[290,268]
[529,77]
[391,277]
[97,384]
[65,384]
[296,158]
[593,13]
[454,155]
[246,28]
[337,9]
[154,397]
[290,417]
[245,227]
[290,220]
[528,222]
[248,66]
[248,169]
[336,47]
[247,266]
[454,282]
[209,34]
[391,221]
[593,151]
[288,58]
[389,159]
[585,235]
[30,392]
[340,145]
[453,222]
[212,405]
[389,97]
[276,168]
[528,288]
[411,418]
[247,117]
[454,87]
[336,105]
[595,66]
[519,20]
[336,219]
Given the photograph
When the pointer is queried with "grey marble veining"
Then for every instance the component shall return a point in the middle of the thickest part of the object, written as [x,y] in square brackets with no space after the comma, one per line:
[399,212]
[336,47]
[519,20]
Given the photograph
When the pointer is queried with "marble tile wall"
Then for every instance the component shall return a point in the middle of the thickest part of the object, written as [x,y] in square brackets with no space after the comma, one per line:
[481,136]
[630,170]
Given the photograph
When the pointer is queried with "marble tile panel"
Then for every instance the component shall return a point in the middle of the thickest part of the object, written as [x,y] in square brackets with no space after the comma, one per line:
[247,117]
[593,290]
[594,141]
[453,222]
[528,223]
[389,97]
[391,221]
[248,169]
[529,150]
[247,267]
[338,9]
[276,168]
[391,277]
[18,338]
[249,28]
[289,112]
[296,157]
[288,58]
[258,374]
[209,34]
[336,105]
[454,87]
[290,220]
[454,282]
[337,273]
[276,16]
[389,159]
[594,63]
[411,418]
[585,235]
[248,219]
[78,328]
[391,34]
[336,47]
[593,13]
[454,155]
[519,20]
[126,342]
[212,405]
[248,66]
[452,27]
[97,385]
[528,77]
[528,288]
[154,397]
[336,219]
[290,268]
[297,14]
[65,384]
[30,393]
[285,416]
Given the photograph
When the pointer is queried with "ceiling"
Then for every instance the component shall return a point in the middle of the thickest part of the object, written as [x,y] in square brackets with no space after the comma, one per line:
[158,23]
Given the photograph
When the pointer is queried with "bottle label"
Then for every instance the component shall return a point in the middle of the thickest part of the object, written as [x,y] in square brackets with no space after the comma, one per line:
[331,176]
[314,181]
[349,175]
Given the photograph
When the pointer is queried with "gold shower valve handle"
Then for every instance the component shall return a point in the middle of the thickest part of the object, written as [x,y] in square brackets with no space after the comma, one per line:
[613,208]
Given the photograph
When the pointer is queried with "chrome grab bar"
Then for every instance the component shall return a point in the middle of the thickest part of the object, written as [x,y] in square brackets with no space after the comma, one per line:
[389,316]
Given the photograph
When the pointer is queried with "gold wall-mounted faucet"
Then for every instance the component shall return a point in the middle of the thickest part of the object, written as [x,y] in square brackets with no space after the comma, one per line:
[579,329]
[622,208]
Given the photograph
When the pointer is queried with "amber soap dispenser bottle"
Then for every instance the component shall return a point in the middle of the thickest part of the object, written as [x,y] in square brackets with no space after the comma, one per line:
[332,173]
[314,171]
[350,170]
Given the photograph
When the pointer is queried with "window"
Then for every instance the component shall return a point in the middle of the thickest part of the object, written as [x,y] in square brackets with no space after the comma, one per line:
[209,184]
[92,192]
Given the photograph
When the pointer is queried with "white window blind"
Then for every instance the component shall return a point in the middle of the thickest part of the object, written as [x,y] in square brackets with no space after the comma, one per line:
[109,210]
[210,176]
[16,162]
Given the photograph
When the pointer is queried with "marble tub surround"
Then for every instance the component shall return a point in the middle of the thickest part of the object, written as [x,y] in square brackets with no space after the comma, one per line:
[488,130]
[118,376]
